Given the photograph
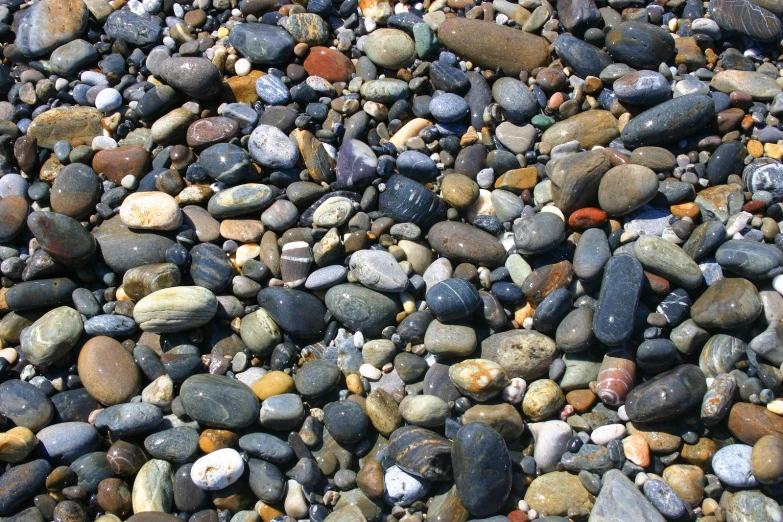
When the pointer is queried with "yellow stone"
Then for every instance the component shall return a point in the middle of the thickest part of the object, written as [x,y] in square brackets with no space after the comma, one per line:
[518,180]
[755,148]
[273,383]
[77,125]
[16,444]
[773,150]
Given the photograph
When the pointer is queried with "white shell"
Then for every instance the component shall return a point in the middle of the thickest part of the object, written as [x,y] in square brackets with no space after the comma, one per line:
[217,470]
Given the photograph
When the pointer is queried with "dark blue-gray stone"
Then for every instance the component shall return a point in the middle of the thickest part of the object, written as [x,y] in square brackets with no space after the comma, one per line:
[110,325]
[317,377]
[123,249]
[356,164]
[578,15]
[417,165]
[667,396]
[29,295]
[639,44]
[665,499]
[262,43]
[552,310]
[750,259]
[448,78]
[226,163]
[539,233]
[642,88]
[210,267]
[515,98]
[453,299]
[176,445]
[704,239]
[621,288]
[20,483]
[478,97]
[482,468]
[406,201]
[67,441]
[219,401]
[187,496]
[669,121]
[583,58]
[747,18]
[138,30]
[674,306]
[656,355]
[362,309]
[125,420]
[448,107]
[727,159]
[73,57]
[591,254]
[590,457]
[62,237]
[298,313]
[266,447]
[91,469]
[25,405]
[345,421]
[620,499]
[266,481]
[74,405]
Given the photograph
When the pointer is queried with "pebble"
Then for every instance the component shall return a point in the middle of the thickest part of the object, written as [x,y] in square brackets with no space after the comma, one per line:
[217,470]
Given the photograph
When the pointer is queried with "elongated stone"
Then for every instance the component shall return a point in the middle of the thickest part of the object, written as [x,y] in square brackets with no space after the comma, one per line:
[667,260]
[482,468]
[405,200]
[621,288]
[42,293]
[669,121]
[461,242]
[141,281]
[668,395]
[175,309]
[747,18]
[64,238]
[491,46]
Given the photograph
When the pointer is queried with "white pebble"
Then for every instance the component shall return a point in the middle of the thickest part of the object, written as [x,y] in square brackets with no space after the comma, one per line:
[94,78]
[242,67]
[523,506]
[623,414]
[370,372]
[641,478]
[217,470]
[129,182]
[777,283]
[369,24]
[108,100]
[514,390]
[554,210]
[103,143]
[605,434]
[152,6]
[358,340]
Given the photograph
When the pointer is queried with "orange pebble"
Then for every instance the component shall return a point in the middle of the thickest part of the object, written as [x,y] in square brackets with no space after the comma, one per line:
[213,440]
[690,210]
[637,450]
[589,217]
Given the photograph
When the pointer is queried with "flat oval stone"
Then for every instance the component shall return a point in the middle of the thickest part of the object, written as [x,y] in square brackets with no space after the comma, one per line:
[13,216]
[670,121]
[522,353]
[539,233]
[196,77]
[585,59]
[386,90]
[249,198]
[176,445]
[356,164]
[515,98]
[482,468]
[120,162]
[125,420]
[266,481]
[141,281]
[62,237]
[406,201]
[210,268]
[590,128]
[667,260]
[732,466]
[642,88]
[282,412]
[123,249]
[749,258]
[75,191]
[270,147]
[492,46]
[591,254]
[748,18]
[758,85]
[296,312]
[107,370]
[20,483]
[461,242]
[621,288]
[74,405]
[67,441]
[390,48]
[262,43]
[576,179]
[331,65]
[219,401]
[136,29]
[25,405]
[667,396]
[640,45]
[345,421]
[175,309]
[151,211]
[51,337]
[453,299]
[378,270]
[728,303]
[721,354]
[266,447]
[361,309]
[73,124]
[35,294]
[626,188]
[209,131]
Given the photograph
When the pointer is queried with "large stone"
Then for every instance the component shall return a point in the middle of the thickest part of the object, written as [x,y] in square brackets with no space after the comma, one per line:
[49,24]
[590,128]
[175,309]
[492,46]
[667,396]
[107,370]
[621,500]
[747,18]
[669,121]
[522,353]
[482,468]
[77,125]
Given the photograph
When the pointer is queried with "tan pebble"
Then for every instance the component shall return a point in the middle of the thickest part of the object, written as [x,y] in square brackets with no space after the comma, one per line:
[637,450]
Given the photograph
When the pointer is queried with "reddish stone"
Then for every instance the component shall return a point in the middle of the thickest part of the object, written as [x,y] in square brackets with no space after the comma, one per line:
[518,516]
[656,284]
[331,65]
[118,163]
[754,207]
[545,280]
[589,217]
[209,131]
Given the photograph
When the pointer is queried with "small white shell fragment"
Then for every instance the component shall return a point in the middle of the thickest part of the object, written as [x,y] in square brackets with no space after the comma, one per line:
[217,470]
